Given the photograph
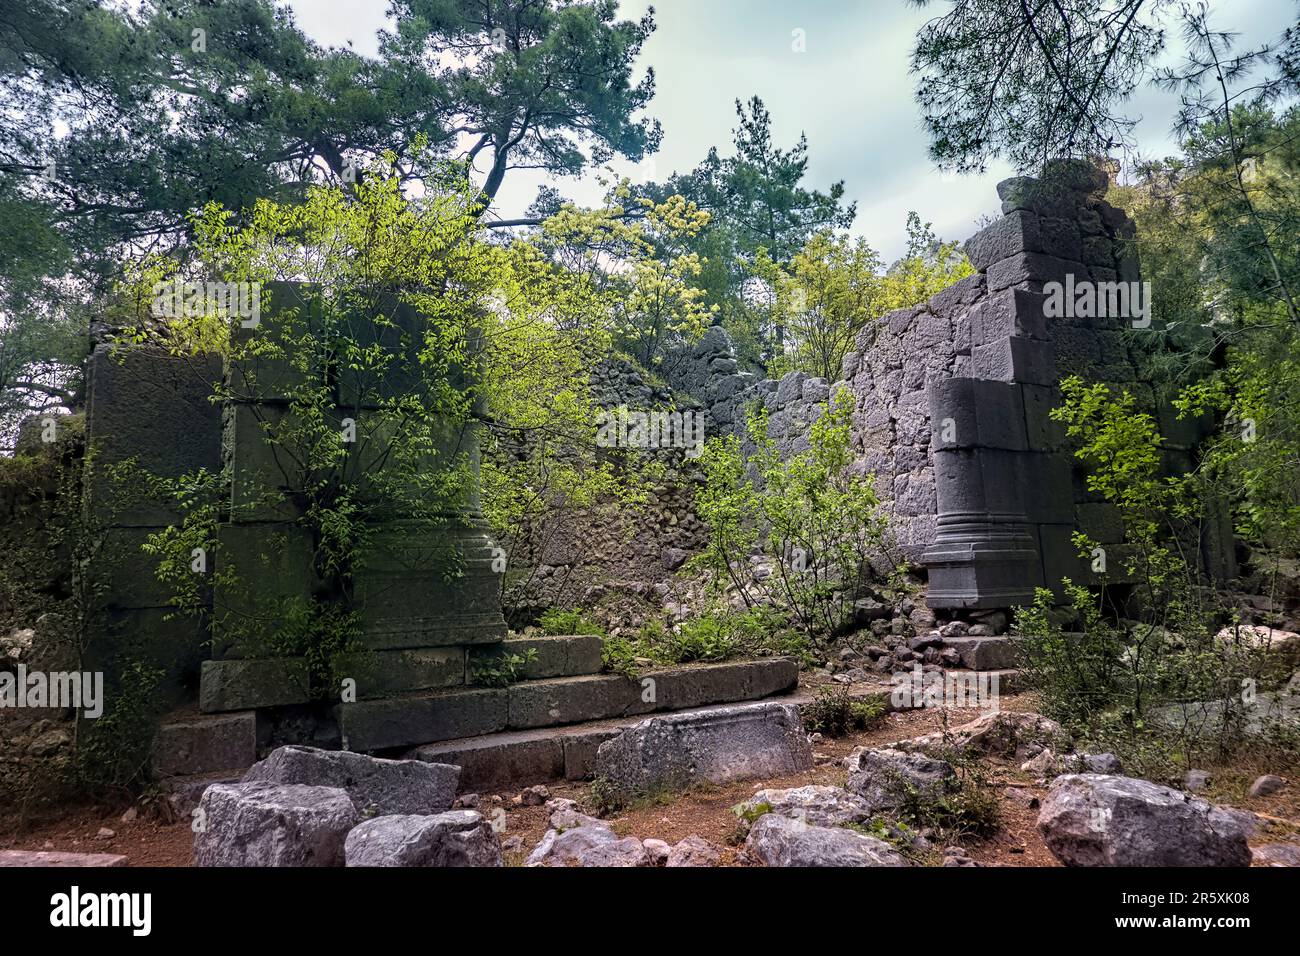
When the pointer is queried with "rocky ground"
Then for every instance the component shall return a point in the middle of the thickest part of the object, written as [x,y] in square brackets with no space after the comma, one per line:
[705,813]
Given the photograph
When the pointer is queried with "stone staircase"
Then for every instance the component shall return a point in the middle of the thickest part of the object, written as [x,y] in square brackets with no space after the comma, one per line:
[513,726]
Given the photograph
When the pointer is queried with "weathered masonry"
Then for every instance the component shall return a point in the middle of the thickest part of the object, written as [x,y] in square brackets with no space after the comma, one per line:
[428,599]
[952,401]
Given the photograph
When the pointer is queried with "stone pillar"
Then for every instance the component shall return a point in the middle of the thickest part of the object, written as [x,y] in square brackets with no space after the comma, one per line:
[983,554]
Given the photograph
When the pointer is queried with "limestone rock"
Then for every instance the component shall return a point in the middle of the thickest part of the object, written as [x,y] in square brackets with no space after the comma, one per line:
[374,784]
[1266,784]
[1102,820]
[1258,637]
[267,824]
[454,838]
[885,777]
[658,851]
[1276,854]
[588,846]
[780,841]
[674,751]
[693,851]
[816,805]
[1000,732]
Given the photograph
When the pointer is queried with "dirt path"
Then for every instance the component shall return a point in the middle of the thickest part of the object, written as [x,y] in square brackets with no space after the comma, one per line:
[705,812]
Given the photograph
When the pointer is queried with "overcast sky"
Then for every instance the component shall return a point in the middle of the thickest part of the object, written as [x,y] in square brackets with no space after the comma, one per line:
[849,91]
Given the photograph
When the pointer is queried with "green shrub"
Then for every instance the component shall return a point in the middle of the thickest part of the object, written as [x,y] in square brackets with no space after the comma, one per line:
[834,714]
[819,524]
[561,621]
[500,670]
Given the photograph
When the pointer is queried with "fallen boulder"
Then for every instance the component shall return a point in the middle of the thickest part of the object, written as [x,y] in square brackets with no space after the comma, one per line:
[454,838]
[588,846]
[775,840]
[674,751]
[1102,820]
[267,824]
[1261,638]
[376,785]
[817,805]
[999,733]
[1276,854]
[886,779]
[693,851]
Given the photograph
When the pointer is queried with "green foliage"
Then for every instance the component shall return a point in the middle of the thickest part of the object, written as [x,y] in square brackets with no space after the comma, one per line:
[501,670]
[818,523]
[618,655]
[113,751]
[1123,672]
[834,289]
[559,621]
[968,808]
[371,262]
[761,214]
[713,636]
[833,713]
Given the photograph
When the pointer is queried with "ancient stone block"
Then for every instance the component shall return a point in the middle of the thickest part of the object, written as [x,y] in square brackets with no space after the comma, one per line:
[1030,267]
[154,408]
[563,656]
[376,786]
[382,673]
[1100,820]
[455,838]
[1100,521]
[1061,558]
[261,461]
[408,721]
[265,570]
[205,744]
[717,746]
[1043,432]
[1047,488]
[1014,360]
[500,760]
[721,683]
[983,653]
[241,684]
[1013,233]
[1010,312]
[262,824]
[573,700]
[777,840]
[969,413]
[44,858]
[129,575]
[407,600]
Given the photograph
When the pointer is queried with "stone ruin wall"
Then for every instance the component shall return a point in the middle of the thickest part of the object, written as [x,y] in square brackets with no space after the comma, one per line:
[986,334]
[984,352]
[153,411]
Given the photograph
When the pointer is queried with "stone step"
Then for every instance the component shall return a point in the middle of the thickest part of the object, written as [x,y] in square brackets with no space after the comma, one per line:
[410,721]
[567,655]
[515,759]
